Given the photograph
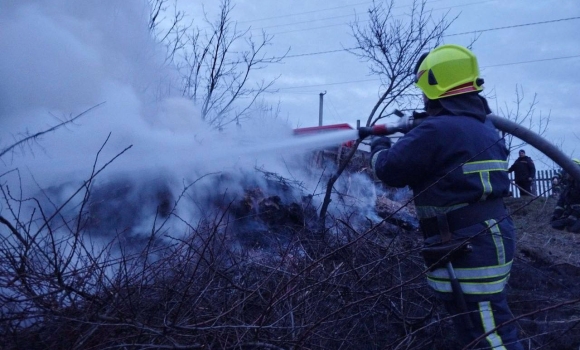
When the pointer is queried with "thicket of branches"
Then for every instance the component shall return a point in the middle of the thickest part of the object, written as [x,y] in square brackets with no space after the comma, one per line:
[356,287]
[197,287]
[64,289]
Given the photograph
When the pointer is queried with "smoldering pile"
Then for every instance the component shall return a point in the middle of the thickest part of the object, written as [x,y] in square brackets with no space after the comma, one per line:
[256,209]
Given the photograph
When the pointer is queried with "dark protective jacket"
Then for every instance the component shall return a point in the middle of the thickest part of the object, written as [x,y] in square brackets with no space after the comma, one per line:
[450,160]
[523,169]
[568,204]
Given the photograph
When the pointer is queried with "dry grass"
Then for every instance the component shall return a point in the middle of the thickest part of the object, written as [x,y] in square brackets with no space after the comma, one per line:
[537,239]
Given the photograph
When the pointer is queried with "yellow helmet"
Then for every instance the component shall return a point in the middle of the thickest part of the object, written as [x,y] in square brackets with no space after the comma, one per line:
[447,71]
[576,160]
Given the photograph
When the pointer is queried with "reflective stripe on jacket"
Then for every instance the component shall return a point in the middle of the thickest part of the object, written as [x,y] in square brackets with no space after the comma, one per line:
[450,162]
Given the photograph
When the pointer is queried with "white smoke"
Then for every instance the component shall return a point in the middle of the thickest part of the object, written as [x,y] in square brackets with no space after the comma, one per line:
[63,57]
[60,58]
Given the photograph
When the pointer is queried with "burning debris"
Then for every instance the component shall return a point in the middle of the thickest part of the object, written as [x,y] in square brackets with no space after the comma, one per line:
[397,213]
[263,221]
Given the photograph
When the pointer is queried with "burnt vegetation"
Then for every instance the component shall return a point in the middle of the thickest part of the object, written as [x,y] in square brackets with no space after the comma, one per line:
[254,272]
[241,261]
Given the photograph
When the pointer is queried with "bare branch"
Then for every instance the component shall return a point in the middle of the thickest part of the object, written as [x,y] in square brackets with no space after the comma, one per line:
[30,138]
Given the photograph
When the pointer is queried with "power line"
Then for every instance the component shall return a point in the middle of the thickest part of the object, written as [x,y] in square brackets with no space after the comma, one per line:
[302,22]
[342,24]
[377,79]
[447,35]
[314,53]
[307,12]
[320,10]
[515,26]
[337,83]
[531,61]
[315,20]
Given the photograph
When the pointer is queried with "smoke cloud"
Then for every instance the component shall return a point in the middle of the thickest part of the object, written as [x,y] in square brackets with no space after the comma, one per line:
[64,57]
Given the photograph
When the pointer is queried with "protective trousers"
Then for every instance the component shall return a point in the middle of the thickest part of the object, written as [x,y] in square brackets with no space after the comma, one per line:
[525,187]
[483,273]
[486,315]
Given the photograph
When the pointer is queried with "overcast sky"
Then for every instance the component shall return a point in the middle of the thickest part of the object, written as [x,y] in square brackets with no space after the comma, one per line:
[541,58]
[62,57]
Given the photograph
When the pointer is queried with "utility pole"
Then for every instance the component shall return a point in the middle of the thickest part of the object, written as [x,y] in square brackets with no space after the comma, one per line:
[320,108]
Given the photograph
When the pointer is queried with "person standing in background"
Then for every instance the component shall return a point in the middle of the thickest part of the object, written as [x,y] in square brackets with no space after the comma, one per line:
[524,173]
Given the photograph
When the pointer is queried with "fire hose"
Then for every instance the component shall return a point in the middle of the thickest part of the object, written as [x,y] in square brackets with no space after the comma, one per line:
[406,123]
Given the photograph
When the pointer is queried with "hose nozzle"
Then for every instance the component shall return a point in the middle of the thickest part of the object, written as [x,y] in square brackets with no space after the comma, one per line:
[366,131]
[404,125]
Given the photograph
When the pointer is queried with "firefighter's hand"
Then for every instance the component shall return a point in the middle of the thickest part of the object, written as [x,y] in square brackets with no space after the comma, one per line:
[379,143]
[420,115]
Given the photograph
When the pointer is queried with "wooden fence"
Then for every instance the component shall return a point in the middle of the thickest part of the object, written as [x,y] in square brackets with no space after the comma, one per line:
[542,185]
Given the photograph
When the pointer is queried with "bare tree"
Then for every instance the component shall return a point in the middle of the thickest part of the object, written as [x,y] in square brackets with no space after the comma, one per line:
[216,64]
[525,114]
[391,45]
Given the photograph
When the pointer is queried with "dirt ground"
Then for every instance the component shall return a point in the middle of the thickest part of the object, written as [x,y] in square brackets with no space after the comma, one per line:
[537,239]
[545,276]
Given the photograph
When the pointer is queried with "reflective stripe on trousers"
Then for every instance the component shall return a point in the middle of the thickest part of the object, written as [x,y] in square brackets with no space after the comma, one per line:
[487,315]
[477,280]
[488,322]
[477,288]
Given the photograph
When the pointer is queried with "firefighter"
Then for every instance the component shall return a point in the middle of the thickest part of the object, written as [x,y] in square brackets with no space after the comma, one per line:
[456,164]
[556,185]
[566,215]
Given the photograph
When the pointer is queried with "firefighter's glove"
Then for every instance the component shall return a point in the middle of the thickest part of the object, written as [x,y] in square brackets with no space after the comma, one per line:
[419,115]
[379,143]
